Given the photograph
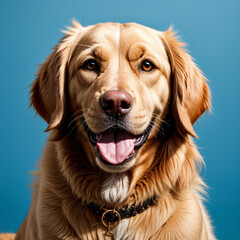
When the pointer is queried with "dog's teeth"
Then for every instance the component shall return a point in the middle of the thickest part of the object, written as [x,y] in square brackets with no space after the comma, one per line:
[139,139]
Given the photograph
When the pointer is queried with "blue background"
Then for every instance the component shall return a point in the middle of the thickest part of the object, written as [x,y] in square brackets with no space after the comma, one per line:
[29,29]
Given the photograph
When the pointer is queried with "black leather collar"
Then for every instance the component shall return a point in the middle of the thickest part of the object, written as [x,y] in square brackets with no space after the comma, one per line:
[112,217]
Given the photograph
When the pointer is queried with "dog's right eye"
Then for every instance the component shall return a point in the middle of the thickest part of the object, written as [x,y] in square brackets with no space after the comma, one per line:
[90,65]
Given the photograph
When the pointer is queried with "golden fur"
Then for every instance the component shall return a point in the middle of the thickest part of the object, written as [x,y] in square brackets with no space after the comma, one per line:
[7,236]
[175,93]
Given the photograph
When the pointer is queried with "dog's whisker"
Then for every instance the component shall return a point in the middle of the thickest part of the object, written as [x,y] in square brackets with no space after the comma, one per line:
[75,122]
[82,123]
[75,116]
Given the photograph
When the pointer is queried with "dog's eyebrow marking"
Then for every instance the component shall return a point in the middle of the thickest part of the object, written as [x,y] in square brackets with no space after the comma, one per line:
[100,53]
[136,52]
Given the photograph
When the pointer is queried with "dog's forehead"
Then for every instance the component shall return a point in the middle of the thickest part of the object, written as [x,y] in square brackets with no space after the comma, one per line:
[101,33]
[122,36]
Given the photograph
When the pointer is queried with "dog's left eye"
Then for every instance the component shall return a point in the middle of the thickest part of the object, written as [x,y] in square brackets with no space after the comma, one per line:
[147,66]
[90,65]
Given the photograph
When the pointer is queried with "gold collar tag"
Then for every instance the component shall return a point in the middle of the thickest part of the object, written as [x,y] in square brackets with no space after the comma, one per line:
[109,224]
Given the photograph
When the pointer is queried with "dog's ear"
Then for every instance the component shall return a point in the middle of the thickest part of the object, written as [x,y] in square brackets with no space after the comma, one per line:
[191,95]
[47,91]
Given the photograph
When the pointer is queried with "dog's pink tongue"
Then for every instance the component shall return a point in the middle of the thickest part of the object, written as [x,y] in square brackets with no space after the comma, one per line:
[115,146]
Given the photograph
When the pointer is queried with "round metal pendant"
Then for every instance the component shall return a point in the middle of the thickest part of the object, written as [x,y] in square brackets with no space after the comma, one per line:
[110,219]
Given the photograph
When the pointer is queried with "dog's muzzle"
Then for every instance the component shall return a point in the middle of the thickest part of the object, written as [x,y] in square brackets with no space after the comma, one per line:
[116,146]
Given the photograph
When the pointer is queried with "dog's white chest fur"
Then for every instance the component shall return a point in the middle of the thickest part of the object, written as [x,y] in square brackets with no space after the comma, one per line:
[115,190]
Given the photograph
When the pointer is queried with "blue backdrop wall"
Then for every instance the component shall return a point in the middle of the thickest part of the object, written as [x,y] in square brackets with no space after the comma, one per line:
[29,29]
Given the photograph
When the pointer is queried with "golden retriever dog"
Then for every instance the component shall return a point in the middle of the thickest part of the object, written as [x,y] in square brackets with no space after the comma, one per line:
[120,163]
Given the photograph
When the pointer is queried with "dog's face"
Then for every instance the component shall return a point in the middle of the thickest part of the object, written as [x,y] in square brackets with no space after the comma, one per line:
[119,82]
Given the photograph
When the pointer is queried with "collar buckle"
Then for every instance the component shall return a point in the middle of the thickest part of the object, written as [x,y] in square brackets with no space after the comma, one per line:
[110,219]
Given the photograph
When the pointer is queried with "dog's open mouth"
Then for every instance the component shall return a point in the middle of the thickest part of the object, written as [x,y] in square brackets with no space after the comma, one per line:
[116,146]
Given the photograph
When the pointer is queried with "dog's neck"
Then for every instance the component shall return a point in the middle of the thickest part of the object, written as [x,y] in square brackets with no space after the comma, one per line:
[115,188]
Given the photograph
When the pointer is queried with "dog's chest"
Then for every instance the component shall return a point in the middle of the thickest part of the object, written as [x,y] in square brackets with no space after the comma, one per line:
[114,190]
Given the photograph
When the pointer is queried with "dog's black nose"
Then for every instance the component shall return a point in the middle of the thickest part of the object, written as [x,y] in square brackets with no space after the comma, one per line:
[116,102]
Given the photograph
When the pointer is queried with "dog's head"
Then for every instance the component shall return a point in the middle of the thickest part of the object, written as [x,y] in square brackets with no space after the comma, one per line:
[118,83]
